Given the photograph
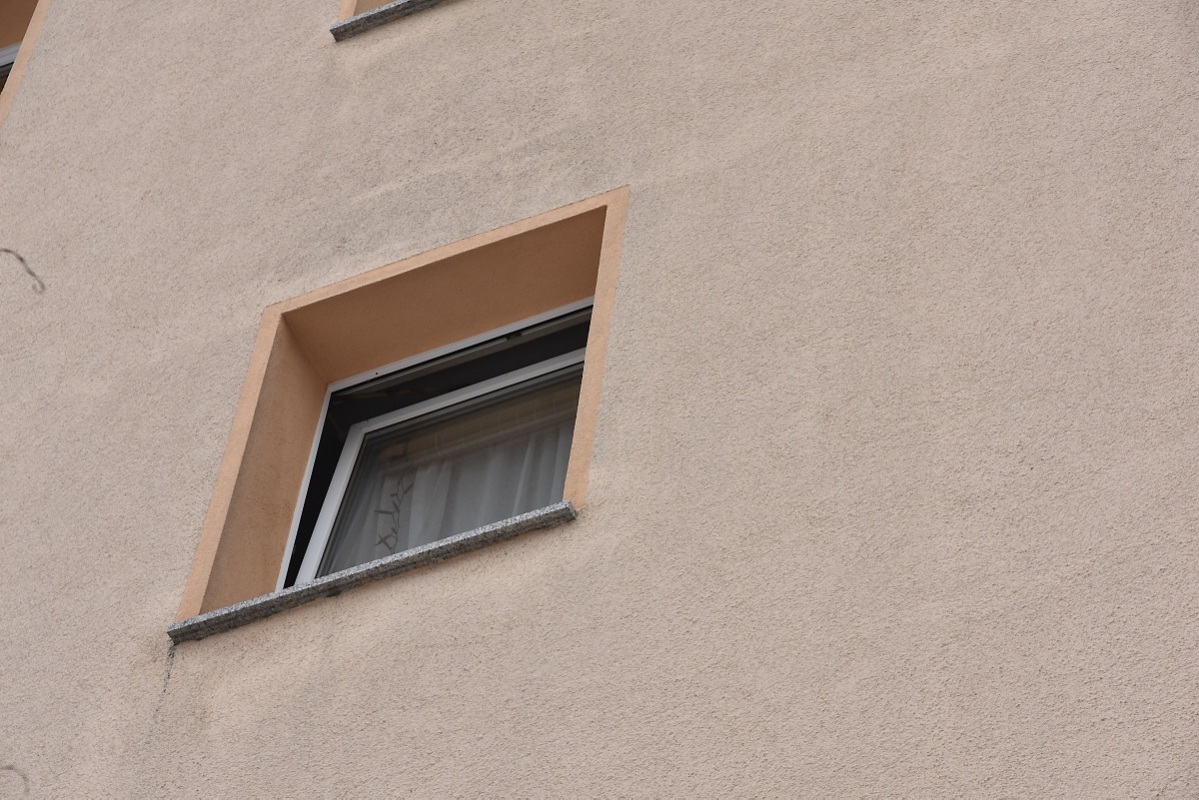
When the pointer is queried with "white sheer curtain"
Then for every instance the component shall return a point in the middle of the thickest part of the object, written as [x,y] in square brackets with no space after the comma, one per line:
[414,486]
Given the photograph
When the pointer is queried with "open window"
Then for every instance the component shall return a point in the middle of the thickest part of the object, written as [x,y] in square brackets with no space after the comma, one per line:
[448,441]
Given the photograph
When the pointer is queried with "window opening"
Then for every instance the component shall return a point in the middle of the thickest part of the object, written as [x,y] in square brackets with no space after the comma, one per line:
[440,444]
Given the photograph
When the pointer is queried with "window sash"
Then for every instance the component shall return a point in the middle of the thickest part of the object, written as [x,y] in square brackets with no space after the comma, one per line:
[357,433]
[289,552]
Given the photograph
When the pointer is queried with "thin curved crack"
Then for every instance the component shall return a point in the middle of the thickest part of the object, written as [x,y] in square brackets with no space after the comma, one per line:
[13,769]
[38,285]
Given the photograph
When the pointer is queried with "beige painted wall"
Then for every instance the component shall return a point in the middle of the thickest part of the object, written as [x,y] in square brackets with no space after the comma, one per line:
[893,490]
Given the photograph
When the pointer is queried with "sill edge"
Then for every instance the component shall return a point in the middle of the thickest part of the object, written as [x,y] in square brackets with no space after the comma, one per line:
[238,614]
[361,23]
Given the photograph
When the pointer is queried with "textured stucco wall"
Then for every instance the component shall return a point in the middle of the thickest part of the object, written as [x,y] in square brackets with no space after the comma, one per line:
[894,488]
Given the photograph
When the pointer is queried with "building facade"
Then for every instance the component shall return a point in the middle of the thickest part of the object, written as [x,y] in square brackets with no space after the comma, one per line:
[881,478]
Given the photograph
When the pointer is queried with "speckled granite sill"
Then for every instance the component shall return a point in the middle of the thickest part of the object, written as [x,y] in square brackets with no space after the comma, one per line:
[238,614]
[376,17]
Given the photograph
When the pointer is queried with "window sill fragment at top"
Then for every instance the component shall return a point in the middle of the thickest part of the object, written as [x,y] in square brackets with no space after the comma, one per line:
[360,23]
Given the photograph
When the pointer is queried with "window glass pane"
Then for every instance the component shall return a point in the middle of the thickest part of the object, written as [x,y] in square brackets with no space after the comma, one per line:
[471,465]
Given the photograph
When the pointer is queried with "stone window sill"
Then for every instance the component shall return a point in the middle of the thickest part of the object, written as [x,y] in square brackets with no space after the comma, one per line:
[238,614]
[361,23]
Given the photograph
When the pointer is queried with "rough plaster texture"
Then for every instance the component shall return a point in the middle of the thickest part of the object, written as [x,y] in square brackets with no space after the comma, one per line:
[894,481]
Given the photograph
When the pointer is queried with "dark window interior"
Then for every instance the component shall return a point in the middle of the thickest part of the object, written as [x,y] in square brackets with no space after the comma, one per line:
[385,394]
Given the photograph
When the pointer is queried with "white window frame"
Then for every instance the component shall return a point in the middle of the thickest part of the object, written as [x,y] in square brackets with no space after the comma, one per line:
[349,454]
[8,57]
